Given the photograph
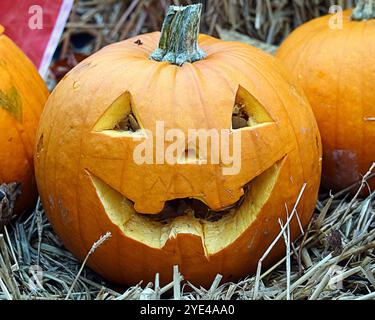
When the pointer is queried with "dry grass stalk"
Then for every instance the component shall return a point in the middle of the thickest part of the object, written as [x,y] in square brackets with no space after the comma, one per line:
[96,245]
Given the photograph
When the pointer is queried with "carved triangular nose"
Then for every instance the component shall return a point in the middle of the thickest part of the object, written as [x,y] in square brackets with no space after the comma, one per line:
[190,155]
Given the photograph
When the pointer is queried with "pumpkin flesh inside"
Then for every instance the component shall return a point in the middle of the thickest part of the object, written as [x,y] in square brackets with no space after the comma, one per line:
[215,235]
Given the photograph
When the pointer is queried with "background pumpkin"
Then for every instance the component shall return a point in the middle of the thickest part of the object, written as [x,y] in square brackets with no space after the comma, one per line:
[335,64]
[88,180]
[22,97]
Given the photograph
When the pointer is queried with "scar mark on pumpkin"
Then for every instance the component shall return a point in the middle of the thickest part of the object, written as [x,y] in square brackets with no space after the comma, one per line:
[189,187]
[158,181]
[80,67]
[3,63]
[11,102]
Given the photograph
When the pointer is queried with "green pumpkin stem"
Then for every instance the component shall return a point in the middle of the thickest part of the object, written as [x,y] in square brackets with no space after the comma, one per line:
[179,36]
[365,10]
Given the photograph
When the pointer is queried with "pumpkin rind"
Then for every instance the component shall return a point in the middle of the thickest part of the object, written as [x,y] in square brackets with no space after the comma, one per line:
[22,97]
[336,68]
[79,170]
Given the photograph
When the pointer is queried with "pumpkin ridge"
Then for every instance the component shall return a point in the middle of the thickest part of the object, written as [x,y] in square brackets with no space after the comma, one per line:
[342,54]
[311,49]
[83,243]
[28,156]
[196,81]
[317,32]
[363,144]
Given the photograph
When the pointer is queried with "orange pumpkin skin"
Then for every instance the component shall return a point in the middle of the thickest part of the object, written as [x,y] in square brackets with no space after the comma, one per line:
[22,97]
[81,172]
[336,68]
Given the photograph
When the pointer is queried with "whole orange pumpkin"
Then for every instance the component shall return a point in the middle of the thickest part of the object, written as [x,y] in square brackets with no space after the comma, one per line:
[334,60]
[22,97]
[189,213]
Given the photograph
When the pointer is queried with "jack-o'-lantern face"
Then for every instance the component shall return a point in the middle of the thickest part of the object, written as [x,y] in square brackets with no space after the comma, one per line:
[189,165]
[208,217]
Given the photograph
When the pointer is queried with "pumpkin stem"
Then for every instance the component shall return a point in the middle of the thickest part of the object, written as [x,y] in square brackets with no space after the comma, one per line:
[365,10]
[179,36]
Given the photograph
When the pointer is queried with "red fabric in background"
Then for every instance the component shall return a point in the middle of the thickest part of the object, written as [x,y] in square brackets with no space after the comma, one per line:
[14,16]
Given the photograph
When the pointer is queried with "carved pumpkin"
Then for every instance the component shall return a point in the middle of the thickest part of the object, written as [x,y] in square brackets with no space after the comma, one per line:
[189,213]
[336,67]
[22,97]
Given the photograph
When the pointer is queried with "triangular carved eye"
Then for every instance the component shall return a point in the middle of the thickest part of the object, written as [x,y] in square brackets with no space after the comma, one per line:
[119,116]
[248,111]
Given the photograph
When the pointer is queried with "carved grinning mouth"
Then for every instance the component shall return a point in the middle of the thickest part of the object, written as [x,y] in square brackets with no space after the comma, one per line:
[215,235]
[194,207]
